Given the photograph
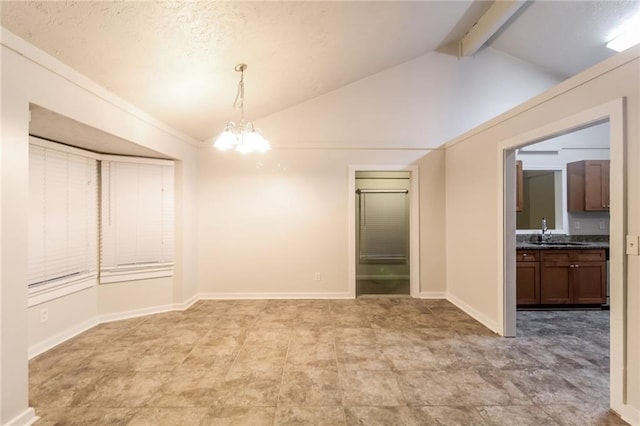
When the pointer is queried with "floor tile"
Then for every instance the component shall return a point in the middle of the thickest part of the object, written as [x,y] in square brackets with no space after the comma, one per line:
[381,416]
[302,356]
[449,416]
[516,415]
[370,388]
[82,416]
[168,416]
[310,387]
[239,416]
[317,416]
[374,360]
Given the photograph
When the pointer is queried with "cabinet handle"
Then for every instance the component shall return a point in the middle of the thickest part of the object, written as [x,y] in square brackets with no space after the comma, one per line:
[524,255]
[577,266]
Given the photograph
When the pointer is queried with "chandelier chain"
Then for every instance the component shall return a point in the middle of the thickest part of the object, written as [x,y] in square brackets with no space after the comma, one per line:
[238,103]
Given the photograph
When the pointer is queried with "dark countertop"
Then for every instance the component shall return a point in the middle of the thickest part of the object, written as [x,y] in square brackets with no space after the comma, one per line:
[562,245]
[562,242]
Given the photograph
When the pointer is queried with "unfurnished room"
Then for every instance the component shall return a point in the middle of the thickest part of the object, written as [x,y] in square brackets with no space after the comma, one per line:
[320,213]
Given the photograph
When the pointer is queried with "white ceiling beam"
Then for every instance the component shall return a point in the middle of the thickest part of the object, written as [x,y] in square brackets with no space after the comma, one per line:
[488,24]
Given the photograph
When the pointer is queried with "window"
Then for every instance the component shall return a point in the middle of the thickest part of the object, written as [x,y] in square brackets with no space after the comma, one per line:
[134,202]
[63,221]
[137,219]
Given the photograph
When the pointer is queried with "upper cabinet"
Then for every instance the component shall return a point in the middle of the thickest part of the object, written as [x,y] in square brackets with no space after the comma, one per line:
[588,186]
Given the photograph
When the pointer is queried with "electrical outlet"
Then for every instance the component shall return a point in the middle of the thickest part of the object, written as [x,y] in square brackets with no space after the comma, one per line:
[44,315]
[318,276]
[576,224]
[602,225]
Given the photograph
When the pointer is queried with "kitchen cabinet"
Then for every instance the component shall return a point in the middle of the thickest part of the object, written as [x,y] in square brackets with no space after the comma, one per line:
[588,186]
[527,277]
[573,276]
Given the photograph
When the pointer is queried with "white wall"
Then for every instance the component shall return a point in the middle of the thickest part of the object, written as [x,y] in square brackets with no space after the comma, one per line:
[419,104]
[471,180]
[30,76]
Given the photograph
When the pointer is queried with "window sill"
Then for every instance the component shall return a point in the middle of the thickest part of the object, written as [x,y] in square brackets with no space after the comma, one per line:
[116,275]
[38,295]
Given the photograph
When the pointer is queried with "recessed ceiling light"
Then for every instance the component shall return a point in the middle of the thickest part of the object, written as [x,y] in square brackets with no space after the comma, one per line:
[626,35]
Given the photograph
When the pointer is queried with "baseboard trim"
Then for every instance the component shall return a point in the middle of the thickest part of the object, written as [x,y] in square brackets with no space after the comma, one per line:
[67,334]
[26,418]
[475,314]
[630,414]
[118,316]
[433,295]
[259,296]
[134,313]
[187,303]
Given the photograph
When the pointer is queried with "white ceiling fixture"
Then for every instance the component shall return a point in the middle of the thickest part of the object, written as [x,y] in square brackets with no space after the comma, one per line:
[627,35]
[243,136]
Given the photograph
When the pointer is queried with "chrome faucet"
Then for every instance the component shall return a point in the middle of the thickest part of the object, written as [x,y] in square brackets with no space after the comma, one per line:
[545,235]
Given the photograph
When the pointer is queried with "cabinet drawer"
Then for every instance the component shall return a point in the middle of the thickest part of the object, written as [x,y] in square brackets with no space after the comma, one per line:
[589,255]
[595,255]
[556,255]
[527,256]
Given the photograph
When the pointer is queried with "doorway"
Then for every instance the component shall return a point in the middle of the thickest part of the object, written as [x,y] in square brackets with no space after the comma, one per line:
[383,243]
[613,112]
[382,233]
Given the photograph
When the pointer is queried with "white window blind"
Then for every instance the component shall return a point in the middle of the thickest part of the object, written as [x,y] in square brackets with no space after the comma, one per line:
[63,221]
[384,227]
[137,220]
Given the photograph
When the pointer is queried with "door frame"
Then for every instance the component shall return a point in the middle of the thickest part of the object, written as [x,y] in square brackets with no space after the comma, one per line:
[614,113]
[414,223]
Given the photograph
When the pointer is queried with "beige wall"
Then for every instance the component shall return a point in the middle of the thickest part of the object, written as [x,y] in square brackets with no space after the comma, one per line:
[471,185]
[34,77]
[433,220]
[284,214]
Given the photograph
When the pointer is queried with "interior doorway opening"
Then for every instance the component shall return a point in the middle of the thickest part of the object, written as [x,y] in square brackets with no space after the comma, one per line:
[383,230]
[382,233]
[613,113]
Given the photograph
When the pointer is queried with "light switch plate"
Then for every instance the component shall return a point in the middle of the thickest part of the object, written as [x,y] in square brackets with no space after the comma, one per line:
[632,245]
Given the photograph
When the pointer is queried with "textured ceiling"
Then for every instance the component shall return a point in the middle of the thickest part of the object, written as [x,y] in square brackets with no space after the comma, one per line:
[564,37]
[175,59]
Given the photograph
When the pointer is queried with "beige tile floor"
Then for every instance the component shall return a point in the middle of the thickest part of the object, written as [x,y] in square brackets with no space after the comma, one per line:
[369,361]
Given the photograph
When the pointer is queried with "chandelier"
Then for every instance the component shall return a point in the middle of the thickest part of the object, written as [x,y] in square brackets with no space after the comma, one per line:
[243,136]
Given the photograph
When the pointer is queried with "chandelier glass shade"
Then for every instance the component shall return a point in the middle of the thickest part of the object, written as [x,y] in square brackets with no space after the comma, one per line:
[243,136]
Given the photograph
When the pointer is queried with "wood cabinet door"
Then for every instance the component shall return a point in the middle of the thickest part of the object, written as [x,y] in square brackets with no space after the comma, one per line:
[575,186]
[527,283]
[589,280]
[596,185]
[555,283]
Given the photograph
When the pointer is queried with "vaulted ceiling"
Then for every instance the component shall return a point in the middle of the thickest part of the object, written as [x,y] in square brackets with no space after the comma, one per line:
[175,60]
